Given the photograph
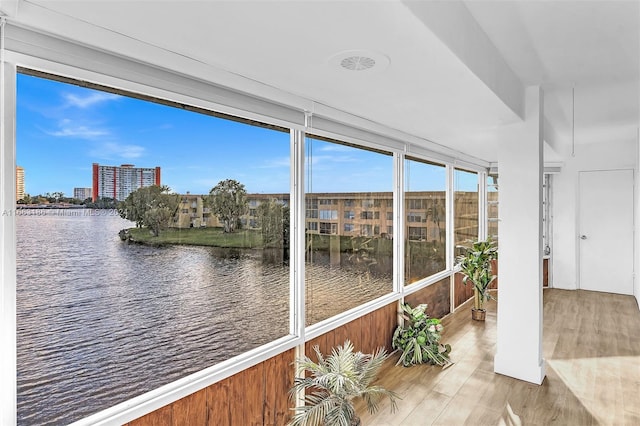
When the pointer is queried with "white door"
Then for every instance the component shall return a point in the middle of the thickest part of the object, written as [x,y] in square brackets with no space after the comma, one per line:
[606,231]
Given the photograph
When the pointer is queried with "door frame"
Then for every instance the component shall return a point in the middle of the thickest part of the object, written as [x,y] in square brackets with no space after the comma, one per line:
[579,223]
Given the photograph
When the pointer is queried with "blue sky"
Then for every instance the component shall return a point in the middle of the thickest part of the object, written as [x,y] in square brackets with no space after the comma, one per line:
[62,129]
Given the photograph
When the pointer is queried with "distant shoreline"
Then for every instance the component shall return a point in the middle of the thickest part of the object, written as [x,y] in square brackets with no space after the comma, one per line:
[208,237]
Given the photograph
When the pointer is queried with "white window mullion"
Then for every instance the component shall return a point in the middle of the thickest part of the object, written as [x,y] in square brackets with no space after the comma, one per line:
[449,190]
[482,206]
[398,223]
[297,316]
[8,376]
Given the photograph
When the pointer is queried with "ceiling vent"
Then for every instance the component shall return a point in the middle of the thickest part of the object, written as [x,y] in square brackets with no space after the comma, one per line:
[358,63]
[359,60]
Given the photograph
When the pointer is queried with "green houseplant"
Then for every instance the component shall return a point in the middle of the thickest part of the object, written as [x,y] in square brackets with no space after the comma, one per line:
[419,338]
[331,384]
[476,267]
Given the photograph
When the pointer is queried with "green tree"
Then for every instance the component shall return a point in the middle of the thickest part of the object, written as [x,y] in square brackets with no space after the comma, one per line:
[54,197]
[26,199]
[228,201]
[151,206]
[273,216]
[438,214]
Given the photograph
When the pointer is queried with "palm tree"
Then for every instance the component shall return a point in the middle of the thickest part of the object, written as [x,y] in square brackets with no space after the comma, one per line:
[332,383]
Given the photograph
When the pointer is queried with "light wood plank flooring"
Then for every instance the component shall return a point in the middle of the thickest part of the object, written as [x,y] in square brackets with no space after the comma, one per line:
[592,349]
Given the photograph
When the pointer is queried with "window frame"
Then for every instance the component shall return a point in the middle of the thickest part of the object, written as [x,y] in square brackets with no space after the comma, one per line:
[28,49]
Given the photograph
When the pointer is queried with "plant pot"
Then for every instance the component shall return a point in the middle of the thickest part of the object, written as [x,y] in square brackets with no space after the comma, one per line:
[478,314]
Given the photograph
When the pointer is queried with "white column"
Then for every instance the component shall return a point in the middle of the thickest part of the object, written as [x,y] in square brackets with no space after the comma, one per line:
[520,170]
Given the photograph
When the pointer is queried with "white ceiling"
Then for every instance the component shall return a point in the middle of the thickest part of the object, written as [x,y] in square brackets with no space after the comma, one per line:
[435,85]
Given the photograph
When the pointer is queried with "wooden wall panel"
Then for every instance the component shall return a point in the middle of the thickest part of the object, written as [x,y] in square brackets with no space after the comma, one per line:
[279,374]
[218,407]
[162,416]
[437,296]
[253,387]
[322,343]
[191,410]
[383,324]
[236,398]
[260,394]
[256,396]
[353,332]
[494,265]
[367,336]
[367,333]
[461,292]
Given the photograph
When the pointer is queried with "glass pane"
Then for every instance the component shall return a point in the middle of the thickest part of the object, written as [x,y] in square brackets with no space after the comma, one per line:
[103,319]
[349,256]
[465,209]
[425,219]
[492,207]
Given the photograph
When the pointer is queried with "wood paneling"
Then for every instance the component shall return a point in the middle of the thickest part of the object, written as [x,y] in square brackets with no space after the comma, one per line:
[461,292]
[278,373]
[256,396]
[162,416]
[191,410]
[253,388]
[367,333]
[218,407]
[236,398]
[437,296]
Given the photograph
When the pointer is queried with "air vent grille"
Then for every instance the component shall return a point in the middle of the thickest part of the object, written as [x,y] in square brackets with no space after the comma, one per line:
[357,63]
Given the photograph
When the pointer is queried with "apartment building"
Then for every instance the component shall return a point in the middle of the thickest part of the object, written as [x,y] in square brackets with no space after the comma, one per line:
[119,181]
[19,183]
[82,193]
[364,214]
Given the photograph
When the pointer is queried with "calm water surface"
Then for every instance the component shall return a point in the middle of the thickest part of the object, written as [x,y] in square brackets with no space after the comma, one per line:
[101,321]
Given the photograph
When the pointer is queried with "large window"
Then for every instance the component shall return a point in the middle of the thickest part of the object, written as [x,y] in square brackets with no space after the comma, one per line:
[465,209]
[347,264]
[425,219]
[106,309]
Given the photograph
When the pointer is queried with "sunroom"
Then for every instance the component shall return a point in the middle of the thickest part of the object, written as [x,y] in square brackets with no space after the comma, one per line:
[382,136]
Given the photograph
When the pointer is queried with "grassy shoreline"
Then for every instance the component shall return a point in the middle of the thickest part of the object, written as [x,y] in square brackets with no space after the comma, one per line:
[211,237]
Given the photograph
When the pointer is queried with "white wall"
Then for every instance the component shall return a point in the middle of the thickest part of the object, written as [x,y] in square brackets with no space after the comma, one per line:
[601,156]
[636,278]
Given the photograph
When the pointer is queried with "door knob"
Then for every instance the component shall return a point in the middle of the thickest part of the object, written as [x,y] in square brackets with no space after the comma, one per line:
[583,237]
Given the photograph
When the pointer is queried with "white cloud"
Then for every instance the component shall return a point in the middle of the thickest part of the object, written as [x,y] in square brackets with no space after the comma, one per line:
[68,129]
[114,150]
[89,100]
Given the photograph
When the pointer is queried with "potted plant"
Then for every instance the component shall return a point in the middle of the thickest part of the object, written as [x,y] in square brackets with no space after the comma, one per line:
[331,384]
[476,266]
[419,338]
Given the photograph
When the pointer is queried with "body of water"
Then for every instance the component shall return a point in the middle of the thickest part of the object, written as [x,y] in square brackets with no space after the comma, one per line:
[100,321]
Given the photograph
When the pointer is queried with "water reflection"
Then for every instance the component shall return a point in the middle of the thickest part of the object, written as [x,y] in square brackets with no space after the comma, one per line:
[101,321]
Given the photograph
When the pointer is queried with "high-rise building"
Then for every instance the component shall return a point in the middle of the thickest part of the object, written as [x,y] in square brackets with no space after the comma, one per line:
[82,193]
[119,181]
[19,183]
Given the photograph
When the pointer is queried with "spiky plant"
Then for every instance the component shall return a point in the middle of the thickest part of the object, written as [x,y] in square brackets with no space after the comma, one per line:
[331,384]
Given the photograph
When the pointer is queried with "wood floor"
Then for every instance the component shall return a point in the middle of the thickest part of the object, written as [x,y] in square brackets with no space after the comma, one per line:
[592,350]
